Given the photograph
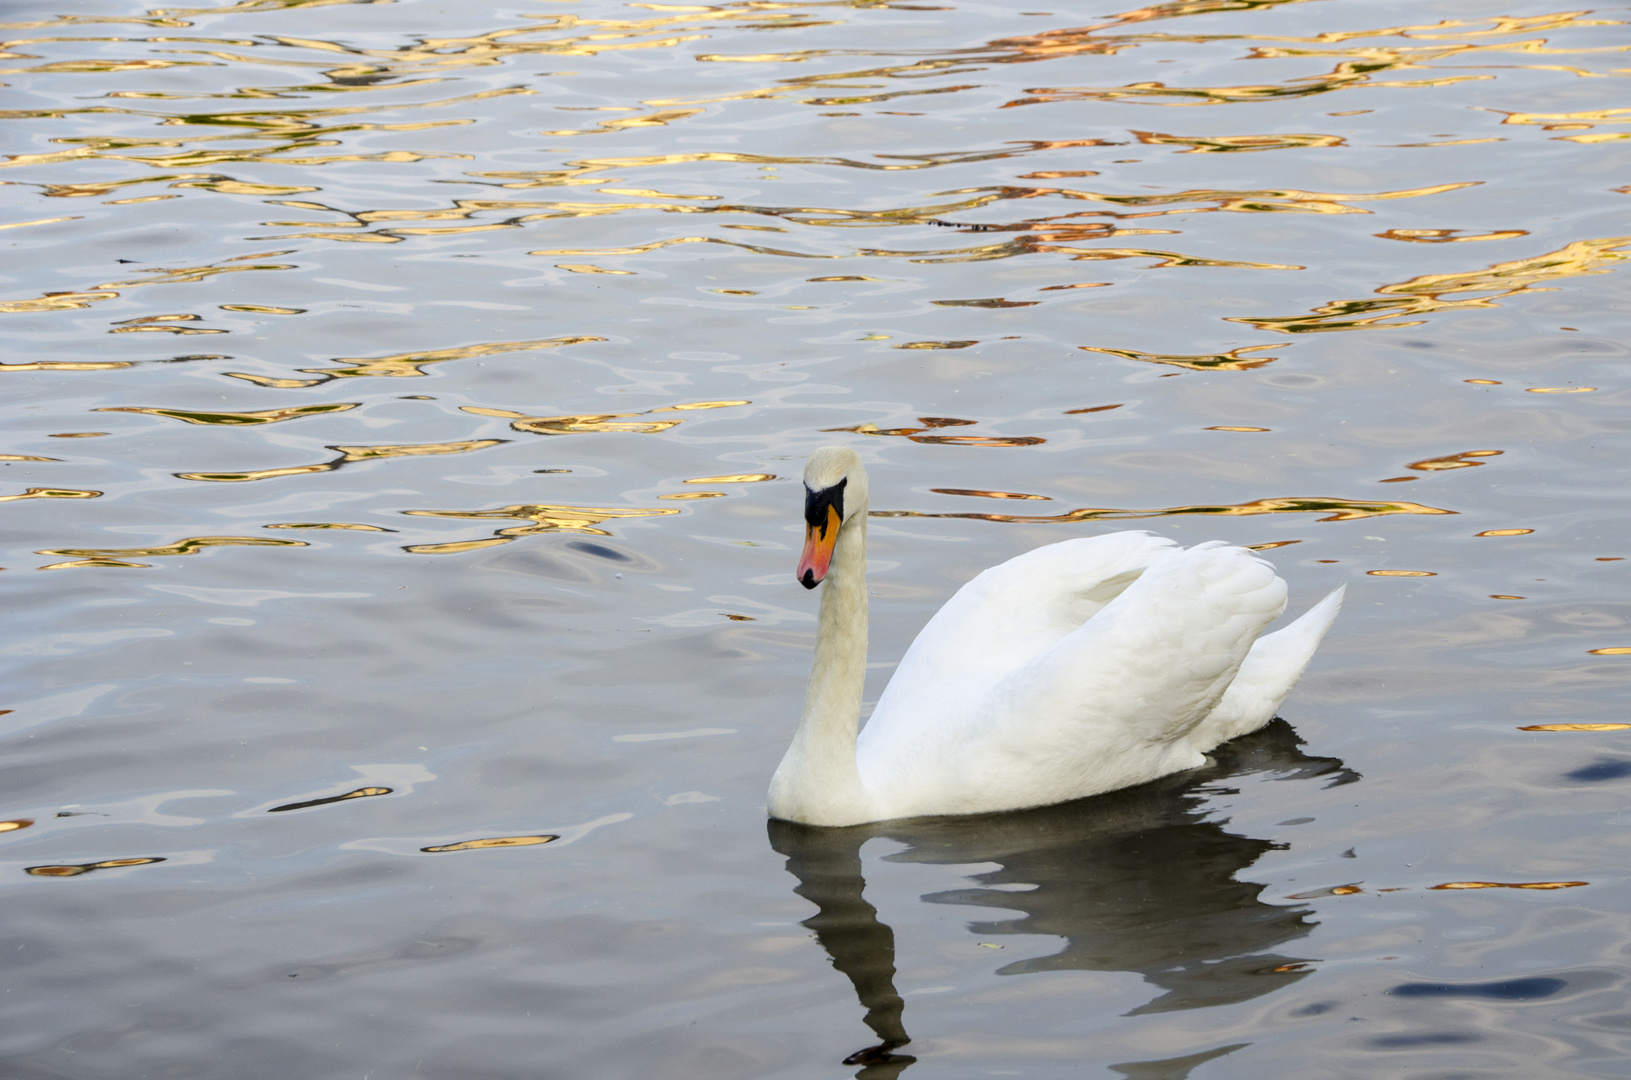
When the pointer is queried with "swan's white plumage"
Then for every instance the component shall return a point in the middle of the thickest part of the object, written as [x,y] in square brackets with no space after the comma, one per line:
[1077,668]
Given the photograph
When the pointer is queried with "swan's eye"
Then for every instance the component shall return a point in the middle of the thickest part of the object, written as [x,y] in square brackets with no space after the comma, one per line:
[816,504]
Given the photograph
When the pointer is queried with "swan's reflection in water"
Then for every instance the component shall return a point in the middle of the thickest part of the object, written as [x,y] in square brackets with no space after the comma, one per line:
[1136,880]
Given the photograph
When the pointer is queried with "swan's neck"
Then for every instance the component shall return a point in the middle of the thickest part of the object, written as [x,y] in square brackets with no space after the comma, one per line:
[818,782]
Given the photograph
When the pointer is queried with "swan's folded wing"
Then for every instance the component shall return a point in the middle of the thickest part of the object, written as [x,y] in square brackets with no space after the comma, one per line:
[997,624]
[1120,694]
[1272,667]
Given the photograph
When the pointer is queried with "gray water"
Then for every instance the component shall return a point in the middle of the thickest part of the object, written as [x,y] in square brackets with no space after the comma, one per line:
[407,400]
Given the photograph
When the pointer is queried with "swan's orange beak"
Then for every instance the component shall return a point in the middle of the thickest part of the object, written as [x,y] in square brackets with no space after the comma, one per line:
[819,540]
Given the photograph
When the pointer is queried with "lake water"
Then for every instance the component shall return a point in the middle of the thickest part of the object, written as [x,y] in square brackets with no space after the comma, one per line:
[406,401]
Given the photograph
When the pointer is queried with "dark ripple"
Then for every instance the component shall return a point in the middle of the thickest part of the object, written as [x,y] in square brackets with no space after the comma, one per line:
[1436,1038]
[598,550]
[1601,770]
[1506,990]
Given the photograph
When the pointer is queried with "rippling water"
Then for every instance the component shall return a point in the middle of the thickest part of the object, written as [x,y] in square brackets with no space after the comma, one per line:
[405,408]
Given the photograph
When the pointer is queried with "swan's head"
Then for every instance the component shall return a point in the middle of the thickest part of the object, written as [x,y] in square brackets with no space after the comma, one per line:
[834,492]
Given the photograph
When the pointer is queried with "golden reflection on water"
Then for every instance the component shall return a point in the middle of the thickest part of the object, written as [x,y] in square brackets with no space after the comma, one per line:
[1449,236]
[932,422]
[405,365]
[544,518]
[1425,294]
[1233,360]
[1511,885]
[349,455]
[84,298]
[600,422]
[159,324]
[69,365]
[1452,461]
[237,419]
[987,494]
[1337,509]
[993,303]
[574,425]
[1334,890]
[75,869]
[192,545]
[1225,144]
[1045,241]
[49,493]
[495,842]
[359,793]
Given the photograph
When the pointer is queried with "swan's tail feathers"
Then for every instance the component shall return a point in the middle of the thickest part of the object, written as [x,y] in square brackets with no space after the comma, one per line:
[1272,667]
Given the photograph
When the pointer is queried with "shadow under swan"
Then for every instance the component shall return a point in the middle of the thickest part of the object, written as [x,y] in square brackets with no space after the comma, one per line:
[1137,880]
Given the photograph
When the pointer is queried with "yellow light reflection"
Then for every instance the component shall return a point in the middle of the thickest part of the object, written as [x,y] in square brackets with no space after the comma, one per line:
[495,842]
[192,545]
[237,419]
[1431,293]
[1336,509]
[546,517]
[348,455]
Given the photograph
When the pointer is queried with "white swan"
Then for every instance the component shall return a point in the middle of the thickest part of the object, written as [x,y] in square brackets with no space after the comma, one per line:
[1077,668]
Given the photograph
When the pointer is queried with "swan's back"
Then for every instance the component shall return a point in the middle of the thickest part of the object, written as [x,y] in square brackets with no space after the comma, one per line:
[1076,668]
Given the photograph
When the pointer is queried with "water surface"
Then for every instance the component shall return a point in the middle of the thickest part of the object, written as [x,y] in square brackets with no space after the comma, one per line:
[405,404]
